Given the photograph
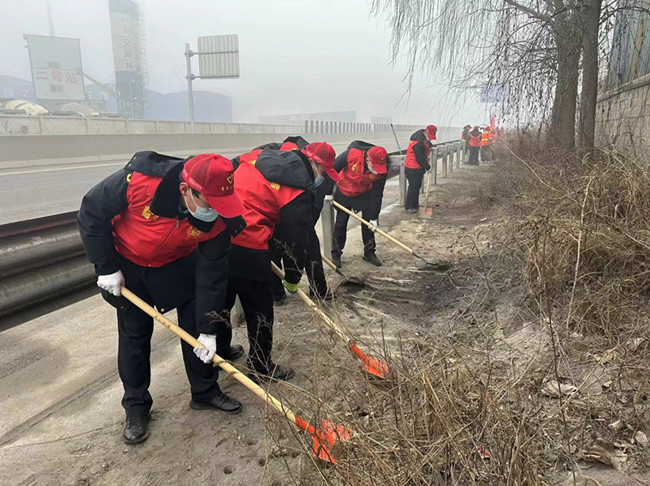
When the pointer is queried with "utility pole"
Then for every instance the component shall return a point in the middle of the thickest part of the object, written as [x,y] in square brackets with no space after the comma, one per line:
[190,77]
[218,59]
[50,19]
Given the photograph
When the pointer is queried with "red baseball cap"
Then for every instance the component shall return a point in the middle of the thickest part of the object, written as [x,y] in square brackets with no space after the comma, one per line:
[213,176]
[286,146]
[323,153]
[378,156]
[431,131]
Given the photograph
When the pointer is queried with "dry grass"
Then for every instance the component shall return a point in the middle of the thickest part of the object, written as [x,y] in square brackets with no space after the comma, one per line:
[579,237]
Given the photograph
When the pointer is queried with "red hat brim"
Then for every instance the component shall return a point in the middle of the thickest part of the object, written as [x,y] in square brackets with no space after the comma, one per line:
[380,169]
[227,206]
[335,176]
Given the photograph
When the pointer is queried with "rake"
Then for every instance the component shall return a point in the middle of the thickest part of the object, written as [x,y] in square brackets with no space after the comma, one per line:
[373,366]
[437,265]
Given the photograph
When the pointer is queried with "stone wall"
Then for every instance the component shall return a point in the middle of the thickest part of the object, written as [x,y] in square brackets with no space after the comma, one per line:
[623,118]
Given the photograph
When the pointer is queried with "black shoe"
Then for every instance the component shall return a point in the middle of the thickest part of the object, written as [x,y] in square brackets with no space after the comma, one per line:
[275,372]
[220,402]
[411,210]
[232,353]
[280,300]
[336,260]
[136,429]
[372,259]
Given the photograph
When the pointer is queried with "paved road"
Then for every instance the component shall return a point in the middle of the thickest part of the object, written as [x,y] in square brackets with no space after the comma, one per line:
[32,192]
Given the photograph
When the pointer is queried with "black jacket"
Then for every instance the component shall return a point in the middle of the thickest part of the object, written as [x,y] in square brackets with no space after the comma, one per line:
[202,275]
[293,169]
[419,149]
[372,199]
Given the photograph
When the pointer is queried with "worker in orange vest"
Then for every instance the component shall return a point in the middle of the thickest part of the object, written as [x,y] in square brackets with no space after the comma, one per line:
[474,145]
[486,145]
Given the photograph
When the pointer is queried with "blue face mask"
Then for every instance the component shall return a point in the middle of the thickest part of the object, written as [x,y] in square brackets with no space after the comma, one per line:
[318,181]
[207,215]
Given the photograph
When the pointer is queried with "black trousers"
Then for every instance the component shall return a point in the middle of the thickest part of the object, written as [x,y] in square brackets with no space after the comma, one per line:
[473,155]
[133,356]
[414,178]
[486,153]
[341,227]
[313,268]
[257,300]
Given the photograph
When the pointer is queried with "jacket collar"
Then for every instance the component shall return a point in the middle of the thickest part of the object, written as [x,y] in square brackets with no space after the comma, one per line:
[166,199]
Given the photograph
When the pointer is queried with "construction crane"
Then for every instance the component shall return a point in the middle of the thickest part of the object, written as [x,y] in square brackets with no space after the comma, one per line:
[101,85]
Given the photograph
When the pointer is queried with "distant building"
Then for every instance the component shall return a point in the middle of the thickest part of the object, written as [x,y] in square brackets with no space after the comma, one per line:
[129,57]
[208,107]
[15,88]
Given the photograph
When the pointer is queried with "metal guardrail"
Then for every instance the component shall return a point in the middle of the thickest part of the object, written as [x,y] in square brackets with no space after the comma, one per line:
[449,152]
[42,259]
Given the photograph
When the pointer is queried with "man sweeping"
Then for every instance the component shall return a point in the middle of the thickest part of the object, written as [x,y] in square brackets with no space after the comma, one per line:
[158,228]
[276,188]
[362,169]
[416,164]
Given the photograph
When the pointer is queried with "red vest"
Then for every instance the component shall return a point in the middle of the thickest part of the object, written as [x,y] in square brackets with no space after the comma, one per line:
[149,240]
[354,181]
[474,141]
[263,203]
[411,161]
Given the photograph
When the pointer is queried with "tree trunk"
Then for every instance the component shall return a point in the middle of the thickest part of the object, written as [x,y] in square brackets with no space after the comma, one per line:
[590,14]
[563,117]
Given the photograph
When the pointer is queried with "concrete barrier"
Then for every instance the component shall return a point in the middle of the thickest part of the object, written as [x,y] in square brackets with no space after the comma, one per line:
[18,151]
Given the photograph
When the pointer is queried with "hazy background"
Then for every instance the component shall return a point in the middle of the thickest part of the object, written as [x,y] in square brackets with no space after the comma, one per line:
[296,56]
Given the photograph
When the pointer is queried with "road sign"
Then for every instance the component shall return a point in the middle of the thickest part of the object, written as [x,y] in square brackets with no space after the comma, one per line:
[218,56]
[493,94]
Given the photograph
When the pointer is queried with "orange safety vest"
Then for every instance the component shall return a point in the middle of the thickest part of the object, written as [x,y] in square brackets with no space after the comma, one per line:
[486,138]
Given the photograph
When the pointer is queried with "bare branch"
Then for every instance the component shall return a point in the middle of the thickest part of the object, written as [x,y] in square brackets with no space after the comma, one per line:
[528,10]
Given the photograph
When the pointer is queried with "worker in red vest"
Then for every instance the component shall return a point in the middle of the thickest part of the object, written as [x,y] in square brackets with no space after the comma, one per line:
[323,155]
[475,137]
[158,228]
[362,169]
[275,187]
[416,164]
[465,138]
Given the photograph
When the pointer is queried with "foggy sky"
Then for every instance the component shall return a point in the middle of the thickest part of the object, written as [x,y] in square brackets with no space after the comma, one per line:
[296,56]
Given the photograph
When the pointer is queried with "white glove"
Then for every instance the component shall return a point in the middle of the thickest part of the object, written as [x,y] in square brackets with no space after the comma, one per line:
[329,198]
[111,283]
[374,223]
[206,353]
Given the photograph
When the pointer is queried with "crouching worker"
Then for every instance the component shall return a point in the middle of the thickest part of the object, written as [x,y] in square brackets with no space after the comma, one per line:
[157,227]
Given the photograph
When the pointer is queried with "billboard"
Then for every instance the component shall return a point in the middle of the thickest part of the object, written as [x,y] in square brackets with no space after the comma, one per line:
[219,56]
[56,66]
[493,94]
